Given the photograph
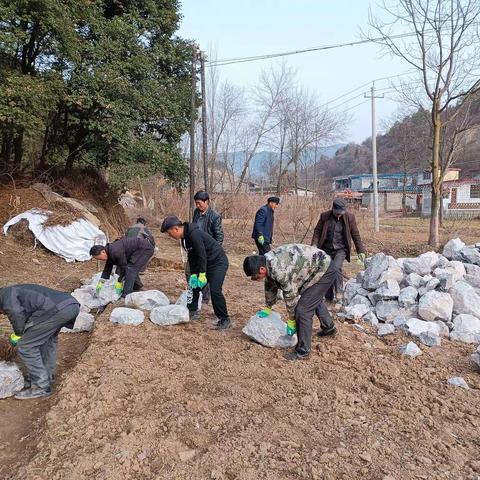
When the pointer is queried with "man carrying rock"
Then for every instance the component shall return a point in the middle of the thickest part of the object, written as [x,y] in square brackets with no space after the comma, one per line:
[208,264]
[209,221]
[37,314]
[140,230]
[130,255]
[263,226]
[303,275]
[335,232]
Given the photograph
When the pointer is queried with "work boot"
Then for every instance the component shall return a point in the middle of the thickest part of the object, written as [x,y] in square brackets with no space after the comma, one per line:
[296,355]
[327,332]
[224,324]
[195,315]
[33,392]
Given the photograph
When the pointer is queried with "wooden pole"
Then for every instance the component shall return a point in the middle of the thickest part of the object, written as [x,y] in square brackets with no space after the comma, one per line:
[204,121]
[193,115]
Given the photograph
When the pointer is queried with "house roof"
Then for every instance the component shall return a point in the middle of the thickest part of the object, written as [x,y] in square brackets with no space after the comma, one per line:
[454,183]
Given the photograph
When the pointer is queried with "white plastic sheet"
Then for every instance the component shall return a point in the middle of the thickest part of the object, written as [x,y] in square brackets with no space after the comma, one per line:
[72,242]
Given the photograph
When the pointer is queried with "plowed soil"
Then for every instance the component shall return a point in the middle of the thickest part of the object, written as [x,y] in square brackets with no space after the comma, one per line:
[188,402]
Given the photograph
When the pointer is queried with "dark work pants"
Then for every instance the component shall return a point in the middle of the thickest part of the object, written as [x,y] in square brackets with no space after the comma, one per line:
[215,277]
[136,264]
[310,302]
[38,345]
[263,249]
[205,291]
[338,257]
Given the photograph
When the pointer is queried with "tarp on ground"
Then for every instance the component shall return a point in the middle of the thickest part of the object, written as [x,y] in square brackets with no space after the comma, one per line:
[72,242]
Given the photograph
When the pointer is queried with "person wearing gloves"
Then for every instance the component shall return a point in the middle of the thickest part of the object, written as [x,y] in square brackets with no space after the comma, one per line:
[208,264]
[303,274]
[37,314]
[263,225]
[130,255]
[335,232]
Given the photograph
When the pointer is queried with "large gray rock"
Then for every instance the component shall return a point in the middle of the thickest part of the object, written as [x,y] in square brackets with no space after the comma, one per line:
[415,327]
[465,299]
[420,266]
[458,382]
[447,276]
[432,257]
[430,285]
[359,299]
[430,339]
[126,316]
[393,273]
[90,300]
[385,329]
[377,265]
[389,290]
[370,318]
[473,280]
[83,323]
[410,350]
[476,357]
[452,248]
[11,379]
[350,290]
[269,331]
[472,269]
[356,312]
[147,300]
[170,315]
[466,328]
[436,306]
[387,310]
[408,297]
[414,280]
[470,255]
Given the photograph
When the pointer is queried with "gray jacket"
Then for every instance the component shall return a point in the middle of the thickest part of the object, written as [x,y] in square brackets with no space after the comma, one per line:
[141,231]
[28,304]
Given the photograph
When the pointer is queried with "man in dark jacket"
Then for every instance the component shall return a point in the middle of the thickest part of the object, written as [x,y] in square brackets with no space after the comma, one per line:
[37,314]
[263,226]
[209,221]
[130,255]
[335,232]
[139,229]
[208,264]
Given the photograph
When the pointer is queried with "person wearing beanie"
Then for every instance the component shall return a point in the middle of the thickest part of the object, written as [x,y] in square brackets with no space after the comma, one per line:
[208,265]
[263,226]
[335,232]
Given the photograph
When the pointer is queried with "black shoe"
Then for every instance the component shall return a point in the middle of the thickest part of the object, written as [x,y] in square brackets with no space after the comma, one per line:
[327,333]
[224,324]
[296,355]
[195,315]
[33,392]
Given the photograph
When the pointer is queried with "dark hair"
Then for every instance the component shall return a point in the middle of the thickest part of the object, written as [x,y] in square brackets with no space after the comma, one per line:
[201,195]
[252,264]
[273,200]
[97,250]
[141,220]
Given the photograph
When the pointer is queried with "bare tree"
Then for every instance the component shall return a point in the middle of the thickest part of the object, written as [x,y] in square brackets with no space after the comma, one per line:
[444,53]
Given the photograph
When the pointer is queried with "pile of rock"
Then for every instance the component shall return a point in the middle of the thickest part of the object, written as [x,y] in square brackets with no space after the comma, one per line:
[154,301]
[429,297]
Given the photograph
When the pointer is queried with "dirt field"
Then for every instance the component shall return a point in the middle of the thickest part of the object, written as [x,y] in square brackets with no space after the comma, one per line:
[188,402]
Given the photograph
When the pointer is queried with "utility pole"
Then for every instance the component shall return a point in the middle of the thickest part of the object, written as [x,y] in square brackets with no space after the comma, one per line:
[376,221]
[193,114]
[204,120]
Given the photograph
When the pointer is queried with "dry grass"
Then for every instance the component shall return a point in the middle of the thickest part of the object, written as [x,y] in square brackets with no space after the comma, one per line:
[7,352]
[61,214]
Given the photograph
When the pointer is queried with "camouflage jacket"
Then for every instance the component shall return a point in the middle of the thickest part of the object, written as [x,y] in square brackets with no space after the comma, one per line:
[292,269]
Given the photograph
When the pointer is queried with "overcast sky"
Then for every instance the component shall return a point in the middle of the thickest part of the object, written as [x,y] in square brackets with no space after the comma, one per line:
[253,27]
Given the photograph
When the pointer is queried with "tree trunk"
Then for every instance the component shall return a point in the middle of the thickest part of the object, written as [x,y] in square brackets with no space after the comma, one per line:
[18,149]
[434,238]
[43,157]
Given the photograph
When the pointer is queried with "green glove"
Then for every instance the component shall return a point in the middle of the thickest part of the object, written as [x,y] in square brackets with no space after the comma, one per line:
[361,259]
[261,240]
[193,281]
[202,280]
[265,312]
[291,327]
[14,339]
[118,287]
[99,286]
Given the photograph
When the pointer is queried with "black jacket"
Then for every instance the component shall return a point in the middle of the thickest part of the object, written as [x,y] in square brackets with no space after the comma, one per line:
[141,231]
[126,251]
[263,225]
[212,225]
[203,251]
[29,304]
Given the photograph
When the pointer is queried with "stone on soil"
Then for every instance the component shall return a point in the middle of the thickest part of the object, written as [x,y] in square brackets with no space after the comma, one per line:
[435,305]
[415,327]
[387,310]
[11,379]
[370,318]
[466,328]
[83,323]
[126,316]
[389,290]
[169,315]
[360,299]
[385,329]
[476,357]
[377,265]
[430,339]
[465,299]
[458,382]
[411,350]
[470,255]
[452,248]
[356,312]
[270,331]
[420,265]
[147,300]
